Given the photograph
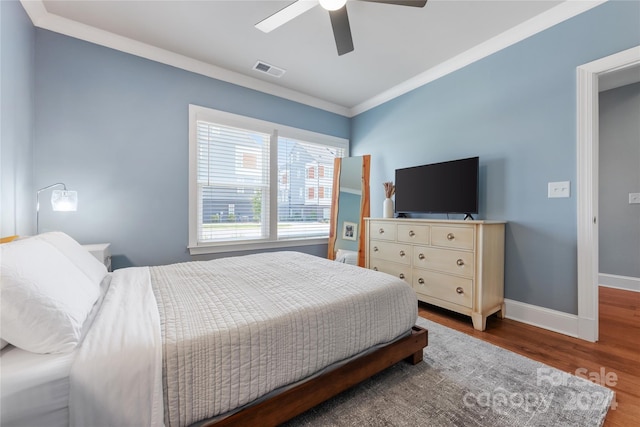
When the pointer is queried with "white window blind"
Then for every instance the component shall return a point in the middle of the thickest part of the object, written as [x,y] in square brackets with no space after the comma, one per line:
[306,216]
[257,183]
[233,183]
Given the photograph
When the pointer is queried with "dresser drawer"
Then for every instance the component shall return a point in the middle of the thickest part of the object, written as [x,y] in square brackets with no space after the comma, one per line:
[380,230]
[413,233]
[452,237]
[456,290]
[445,260]
[458,265]
[402,271]
[394,252]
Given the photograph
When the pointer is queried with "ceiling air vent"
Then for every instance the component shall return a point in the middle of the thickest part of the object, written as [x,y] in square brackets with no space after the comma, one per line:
[263,67]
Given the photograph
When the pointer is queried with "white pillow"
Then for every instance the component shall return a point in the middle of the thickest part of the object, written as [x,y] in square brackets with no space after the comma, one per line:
[45,297]
[3,343]
[94,269]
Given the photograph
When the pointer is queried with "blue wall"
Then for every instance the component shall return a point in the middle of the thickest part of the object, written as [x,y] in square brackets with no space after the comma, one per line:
[349,211]
[17,47]
[516,109]
[114,127]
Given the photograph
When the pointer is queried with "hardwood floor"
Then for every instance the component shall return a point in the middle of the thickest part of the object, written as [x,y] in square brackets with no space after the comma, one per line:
[617,353]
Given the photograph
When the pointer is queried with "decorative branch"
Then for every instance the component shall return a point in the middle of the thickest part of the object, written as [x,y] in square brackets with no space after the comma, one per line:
[389,189]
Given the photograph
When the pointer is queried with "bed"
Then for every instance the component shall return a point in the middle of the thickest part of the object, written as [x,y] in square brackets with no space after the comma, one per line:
[224,342]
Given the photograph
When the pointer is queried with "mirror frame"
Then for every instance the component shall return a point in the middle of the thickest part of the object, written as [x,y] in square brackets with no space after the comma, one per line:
[365,208]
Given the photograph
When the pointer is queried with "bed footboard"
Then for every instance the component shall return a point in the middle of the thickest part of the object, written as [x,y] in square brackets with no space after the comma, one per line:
[296,400]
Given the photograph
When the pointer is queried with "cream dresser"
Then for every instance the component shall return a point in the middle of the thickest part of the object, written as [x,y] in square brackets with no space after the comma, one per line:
[457,265]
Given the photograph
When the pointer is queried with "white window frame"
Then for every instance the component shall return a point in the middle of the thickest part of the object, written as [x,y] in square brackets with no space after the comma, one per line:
[197,113]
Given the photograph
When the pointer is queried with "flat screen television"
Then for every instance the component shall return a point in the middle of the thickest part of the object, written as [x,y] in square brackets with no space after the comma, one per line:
[446,187]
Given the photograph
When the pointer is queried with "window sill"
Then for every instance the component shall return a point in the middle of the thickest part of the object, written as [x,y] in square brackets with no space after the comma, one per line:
[215,248]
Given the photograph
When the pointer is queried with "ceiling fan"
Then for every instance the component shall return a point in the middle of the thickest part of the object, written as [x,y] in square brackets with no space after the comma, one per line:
[337,12]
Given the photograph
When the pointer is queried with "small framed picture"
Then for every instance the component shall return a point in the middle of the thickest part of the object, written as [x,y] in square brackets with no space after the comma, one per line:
[350,231]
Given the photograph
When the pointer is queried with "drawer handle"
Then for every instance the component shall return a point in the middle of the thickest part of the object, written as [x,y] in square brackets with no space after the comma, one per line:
[401,253]
[459,290]
[421,281]
[450,236]
[375,249]
[381,231]
[375,268]
[411,233]
[401,275]
[460,262]
[421,256]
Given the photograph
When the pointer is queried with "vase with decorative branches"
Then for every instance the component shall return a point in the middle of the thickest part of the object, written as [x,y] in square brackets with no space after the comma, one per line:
[387,207]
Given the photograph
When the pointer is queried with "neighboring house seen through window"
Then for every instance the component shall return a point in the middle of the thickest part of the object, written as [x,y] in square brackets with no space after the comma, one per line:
[248,182]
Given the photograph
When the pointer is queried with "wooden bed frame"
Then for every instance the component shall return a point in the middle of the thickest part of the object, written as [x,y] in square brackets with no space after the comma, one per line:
[304,396]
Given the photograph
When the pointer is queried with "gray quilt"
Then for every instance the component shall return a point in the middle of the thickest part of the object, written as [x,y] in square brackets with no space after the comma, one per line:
[235,329]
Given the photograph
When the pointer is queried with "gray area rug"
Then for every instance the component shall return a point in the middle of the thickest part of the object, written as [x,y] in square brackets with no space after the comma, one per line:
[464,381]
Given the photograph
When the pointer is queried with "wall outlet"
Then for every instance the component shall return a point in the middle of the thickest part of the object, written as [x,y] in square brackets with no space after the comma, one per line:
[634,198]
[559,189]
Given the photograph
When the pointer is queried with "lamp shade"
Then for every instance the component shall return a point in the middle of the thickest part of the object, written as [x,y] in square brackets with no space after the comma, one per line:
[332,4]
[64,200]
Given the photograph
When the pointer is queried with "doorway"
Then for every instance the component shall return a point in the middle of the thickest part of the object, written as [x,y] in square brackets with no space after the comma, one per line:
[620,65]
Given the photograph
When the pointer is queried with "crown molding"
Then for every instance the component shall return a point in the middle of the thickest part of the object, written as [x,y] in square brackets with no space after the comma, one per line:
[537,24]
[41,18]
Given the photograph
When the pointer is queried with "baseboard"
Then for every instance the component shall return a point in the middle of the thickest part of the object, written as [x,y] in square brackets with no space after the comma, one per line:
[619,282]
[544,318]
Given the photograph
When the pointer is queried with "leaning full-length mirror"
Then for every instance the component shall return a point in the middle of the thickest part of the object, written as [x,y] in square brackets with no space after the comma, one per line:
[349,207]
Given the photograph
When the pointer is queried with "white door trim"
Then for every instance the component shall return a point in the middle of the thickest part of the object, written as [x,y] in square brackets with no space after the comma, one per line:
[587,183]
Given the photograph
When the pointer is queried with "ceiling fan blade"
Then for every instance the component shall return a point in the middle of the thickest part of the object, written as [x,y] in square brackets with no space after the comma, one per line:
[285,15]
[341,30]
[413,3]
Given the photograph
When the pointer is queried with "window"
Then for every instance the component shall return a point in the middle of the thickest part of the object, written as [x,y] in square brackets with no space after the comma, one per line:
[257,184]
[250,161]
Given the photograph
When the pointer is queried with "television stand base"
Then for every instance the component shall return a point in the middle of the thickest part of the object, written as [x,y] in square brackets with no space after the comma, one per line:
[468,216]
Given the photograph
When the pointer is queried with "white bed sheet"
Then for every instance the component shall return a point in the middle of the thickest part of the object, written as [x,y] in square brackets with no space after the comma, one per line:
[34,388]
[116,377]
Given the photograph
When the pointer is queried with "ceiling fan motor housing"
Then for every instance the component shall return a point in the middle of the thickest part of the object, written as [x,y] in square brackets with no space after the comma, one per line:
[337,13]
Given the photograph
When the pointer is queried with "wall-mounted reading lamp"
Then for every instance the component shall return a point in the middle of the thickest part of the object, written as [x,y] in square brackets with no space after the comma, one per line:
[61,201]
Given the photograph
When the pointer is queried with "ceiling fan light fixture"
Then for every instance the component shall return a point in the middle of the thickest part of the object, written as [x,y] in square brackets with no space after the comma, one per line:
[332,4]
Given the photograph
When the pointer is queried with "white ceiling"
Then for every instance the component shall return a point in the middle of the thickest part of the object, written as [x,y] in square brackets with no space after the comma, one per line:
[394,45]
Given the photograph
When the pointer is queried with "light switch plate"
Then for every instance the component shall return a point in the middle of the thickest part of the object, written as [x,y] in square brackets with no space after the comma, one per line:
[559,189]
[634,198]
